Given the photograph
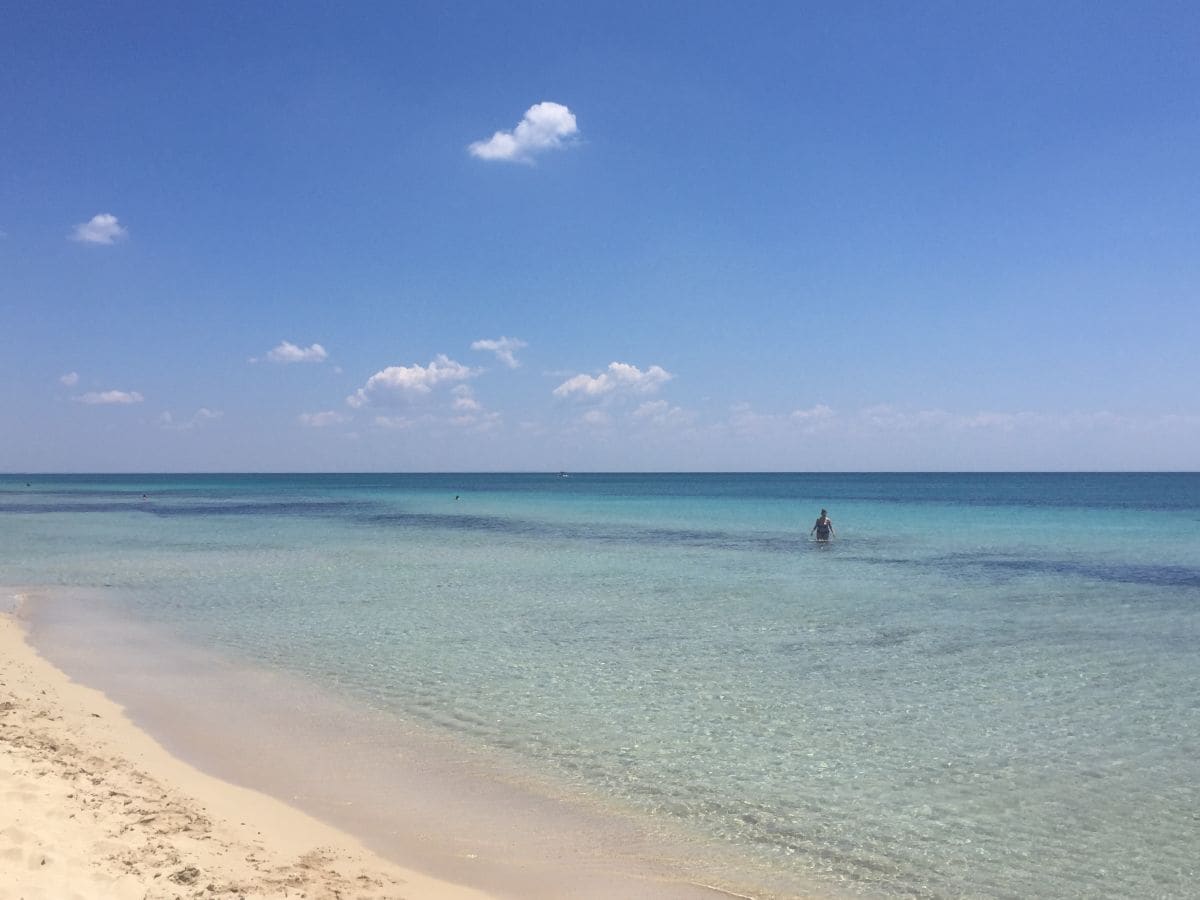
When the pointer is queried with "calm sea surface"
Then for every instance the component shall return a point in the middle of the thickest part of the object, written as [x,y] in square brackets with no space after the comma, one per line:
[987,685]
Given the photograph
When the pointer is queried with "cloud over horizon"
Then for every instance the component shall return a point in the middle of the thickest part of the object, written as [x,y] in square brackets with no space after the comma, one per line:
[202,415]
[394,383]
[110,398]
[661,413]
[596,418]
[101,229]
[619,377]
[287,352]
[464,399]
[545,126]
[323,419]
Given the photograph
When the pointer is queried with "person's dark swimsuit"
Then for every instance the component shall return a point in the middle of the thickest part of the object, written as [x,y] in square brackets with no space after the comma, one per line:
[823,529]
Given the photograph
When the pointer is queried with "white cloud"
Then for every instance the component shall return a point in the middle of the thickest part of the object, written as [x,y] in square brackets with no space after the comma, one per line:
[464,399]
[745,421]
[813,414]
[287,352]
[545,126]
[70,379]
[200,416]
[479,422]
[471,413]
[109,398]
[503,347]
[102,229]
[321,419]
[651,408]
[1175,420]
[888,418]
[659,412]
[597,418]
[396,382]
[619,377]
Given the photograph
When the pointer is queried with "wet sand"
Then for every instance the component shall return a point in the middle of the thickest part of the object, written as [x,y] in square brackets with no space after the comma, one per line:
[93,807]
[97,807]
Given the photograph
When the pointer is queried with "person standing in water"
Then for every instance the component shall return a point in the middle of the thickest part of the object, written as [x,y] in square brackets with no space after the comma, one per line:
[823,528]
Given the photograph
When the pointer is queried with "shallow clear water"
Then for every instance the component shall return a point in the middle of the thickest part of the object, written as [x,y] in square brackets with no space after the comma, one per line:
[988,685]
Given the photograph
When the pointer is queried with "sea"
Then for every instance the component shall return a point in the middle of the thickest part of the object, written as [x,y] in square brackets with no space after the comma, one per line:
[986,685]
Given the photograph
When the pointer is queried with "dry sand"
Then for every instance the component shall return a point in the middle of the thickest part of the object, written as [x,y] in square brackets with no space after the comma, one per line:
[92,807]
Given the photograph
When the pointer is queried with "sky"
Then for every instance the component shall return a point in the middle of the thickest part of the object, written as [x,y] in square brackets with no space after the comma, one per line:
[607,237]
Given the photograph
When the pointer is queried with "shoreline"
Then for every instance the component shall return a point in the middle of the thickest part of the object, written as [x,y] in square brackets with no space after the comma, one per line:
[474,832]
[97,808]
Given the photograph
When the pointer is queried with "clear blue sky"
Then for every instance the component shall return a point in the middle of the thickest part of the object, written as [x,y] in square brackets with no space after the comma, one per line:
[809,237]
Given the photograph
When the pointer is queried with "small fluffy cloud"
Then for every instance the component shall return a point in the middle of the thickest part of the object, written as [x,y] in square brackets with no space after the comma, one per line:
[464,399]
[287,352]
[471,413]
[619,377]
[597,418]
[70,379]
[102,229]
[110,398]
[546,126]
[503,347]
[321,419]
[395,383]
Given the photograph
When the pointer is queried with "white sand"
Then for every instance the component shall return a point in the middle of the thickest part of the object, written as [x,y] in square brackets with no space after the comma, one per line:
[93,807]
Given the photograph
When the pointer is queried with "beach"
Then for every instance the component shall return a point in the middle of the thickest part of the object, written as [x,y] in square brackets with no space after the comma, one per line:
[94,807]
[99,807]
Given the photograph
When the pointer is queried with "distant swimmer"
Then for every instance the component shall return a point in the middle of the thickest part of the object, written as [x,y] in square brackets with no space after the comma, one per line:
[823,528]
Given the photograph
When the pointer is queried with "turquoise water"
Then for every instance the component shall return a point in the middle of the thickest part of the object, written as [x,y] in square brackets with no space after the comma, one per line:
[987,685]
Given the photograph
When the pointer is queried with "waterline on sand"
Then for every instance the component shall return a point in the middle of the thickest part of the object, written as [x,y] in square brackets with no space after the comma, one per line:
[411,794]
